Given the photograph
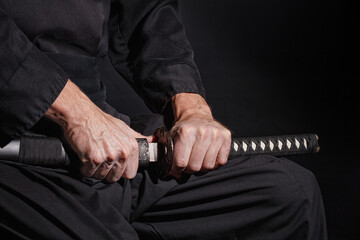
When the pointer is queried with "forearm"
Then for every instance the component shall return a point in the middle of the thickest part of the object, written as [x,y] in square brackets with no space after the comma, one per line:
[190,104]
[71,107]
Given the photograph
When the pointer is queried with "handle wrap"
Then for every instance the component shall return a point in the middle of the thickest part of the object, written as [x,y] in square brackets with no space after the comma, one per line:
[42,151]
[274,145]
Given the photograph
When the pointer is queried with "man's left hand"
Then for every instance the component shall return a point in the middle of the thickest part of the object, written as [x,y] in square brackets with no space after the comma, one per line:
[200,142]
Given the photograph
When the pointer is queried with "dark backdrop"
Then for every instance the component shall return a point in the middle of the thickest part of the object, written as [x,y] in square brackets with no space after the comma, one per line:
[280,67]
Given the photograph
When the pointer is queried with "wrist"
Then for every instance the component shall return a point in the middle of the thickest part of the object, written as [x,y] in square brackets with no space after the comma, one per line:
[70,106]
[187,105]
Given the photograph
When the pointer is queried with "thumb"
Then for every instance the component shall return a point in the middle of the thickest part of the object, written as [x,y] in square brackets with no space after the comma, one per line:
[150,138]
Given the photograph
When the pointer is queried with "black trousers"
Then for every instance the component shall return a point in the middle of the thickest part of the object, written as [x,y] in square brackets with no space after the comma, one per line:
[259,197]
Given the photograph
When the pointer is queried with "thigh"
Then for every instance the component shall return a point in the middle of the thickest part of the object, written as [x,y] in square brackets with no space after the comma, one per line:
[38,203]
[260,197]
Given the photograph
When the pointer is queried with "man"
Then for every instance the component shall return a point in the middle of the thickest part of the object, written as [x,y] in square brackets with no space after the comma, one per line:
[49,57]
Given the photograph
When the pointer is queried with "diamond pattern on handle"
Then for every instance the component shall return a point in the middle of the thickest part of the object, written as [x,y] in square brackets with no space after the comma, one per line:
[280,144]
[253,146]
[305,143]
[271,145]
[275,145]
[297,143]
[262,145]
[236,146]
[244,145]
[288,144]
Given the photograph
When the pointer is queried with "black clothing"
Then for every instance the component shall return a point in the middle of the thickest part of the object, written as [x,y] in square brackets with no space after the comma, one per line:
[42,44]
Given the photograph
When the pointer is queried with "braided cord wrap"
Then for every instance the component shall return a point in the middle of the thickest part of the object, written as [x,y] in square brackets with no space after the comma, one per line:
[274,145]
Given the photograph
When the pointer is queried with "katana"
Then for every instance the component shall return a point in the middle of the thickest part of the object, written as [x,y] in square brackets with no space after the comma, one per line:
[50,152]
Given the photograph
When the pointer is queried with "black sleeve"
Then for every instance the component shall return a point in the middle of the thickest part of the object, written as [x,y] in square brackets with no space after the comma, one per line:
[29,81]
[149,48]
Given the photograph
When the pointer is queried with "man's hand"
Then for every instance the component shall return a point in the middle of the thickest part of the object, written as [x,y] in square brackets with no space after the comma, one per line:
[201,143]
[105,145]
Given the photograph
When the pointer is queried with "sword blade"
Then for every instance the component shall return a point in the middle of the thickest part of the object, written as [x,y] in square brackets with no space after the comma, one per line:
[10,151]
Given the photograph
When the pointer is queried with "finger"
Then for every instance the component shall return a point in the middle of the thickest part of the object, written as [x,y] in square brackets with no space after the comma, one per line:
[89,167]
[182,151]
[107,159]
[223,154]
[104,169]
[197,155]
[116,171]
[150,138]
[131,159]
[211,156]
[132,165]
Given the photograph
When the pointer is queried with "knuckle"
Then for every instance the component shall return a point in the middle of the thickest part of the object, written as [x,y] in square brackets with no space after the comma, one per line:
[97,159]
[111,157]
[93,158]
[208,165]
[214,133]
[185,131]
[124,153]
[221,161]
[203,131]
[194,166]
[180,163]
[129,175]
[227,133]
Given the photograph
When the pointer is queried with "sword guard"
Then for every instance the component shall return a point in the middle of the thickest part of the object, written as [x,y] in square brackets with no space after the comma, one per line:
[165,151]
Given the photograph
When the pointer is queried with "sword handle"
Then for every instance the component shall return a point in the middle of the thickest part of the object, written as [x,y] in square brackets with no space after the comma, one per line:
[38,150]
[282,145]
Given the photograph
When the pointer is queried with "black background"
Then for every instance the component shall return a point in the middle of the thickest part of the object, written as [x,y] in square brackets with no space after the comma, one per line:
[281,67]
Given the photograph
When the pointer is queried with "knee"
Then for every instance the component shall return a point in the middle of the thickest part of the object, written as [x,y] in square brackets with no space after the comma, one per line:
[296,187]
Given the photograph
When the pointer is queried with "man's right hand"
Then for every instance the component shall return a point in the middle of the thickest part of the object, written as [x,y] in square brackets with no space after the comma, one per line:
[105,145]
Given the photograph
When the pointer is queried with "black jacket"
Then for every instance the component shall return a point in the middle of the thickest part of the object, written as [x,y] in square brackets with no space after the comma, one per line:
[43,43]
